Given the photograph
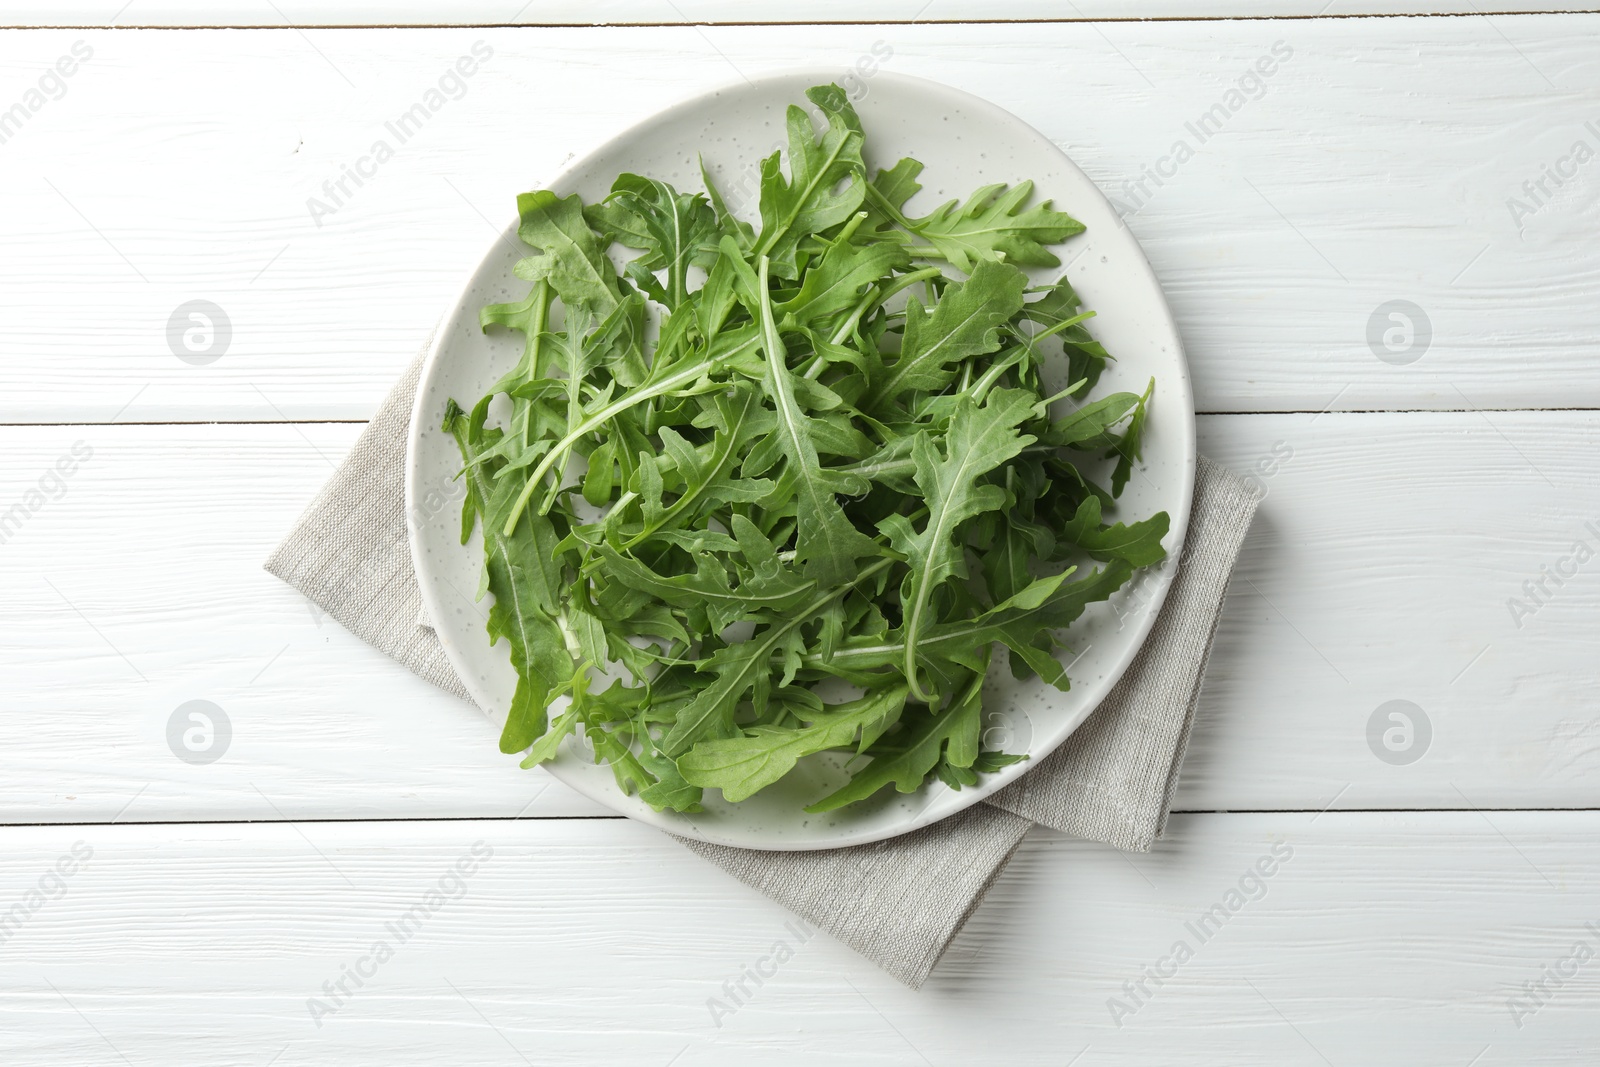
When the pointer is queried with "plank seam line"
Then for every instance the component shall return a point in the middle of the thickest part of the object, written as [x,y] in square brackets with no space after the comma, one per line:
[191,422]
[1398,411]
[621,818]
[828,22]
[1206,414]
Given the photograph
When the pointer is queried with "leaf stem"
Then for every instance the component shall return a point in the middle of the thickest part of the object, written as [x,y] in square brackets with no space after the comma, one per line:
[599,418]
[770,240]
[887,208]
[870,469]
[872,298]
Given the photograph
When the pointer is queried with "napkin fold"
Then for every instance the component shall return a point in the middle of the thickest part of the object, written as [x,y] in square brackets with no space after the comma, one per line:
[898,902]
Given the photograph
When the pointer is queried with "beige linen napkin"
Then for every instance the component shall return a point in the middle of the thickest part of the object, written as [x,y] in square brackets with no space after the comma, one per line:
[897,902]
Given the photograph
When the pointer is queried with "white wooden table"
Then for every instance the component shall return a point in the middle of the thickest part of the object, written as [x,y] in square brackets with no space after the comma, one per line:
[1429,480]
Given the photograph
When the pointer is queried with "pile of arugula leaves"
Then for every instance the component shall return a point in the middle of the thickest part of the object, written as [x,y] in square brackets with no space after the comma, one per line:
[834,471]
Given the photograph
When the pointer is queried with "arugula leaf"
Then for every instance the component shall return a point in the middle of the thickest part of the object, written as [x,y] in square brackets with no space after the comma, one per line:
[670,790]
[986,763]
[1129,449]
[708,589]
[1046,604]
[978,441]
[740,668]
[965,323]
[1090,426]
[828,543]
[573,260]
[521,578]
[741,232]
[894,186]
[673,229]
[826,181]
[742,766]
[1086,357]
[833,284]
[703,473]
[1139,544]
[529,316]
[994,225]
[951,734]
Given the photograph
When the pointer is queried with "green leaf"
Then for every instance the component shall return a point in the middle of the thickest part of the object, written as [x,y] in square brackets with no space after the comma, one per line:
[834,283]
[978,441]
[1129,450]
[826,179]
[529,316]
[995,224]
[670,791]
[707,589]
[986,763]
[544,749]
[964,323]
[736,415]
[1086,357]
[1090,426]
[1046,604]
[741,766]
[572,258]
[625,767]
[741,232]
[1139,544]
[898,184]
[1008,563]
[906,762]
[741,668]
[524,580]
[673,229]
[828,544]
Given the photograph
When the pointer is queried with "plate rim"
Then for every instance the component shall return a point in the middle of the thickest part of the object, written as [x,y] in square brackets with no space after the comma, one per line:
[991,783]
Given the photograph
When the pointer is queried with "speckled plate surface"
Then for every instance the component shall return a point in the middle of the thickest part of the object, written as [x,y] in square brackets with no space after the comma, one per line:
[965,142]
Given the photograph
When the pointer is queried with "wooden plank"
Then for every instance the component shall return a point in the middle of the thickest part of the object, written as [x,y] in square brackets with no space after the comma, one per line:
[1378,164]
[1381,568]
[601,942]
[138,588]
[198,13]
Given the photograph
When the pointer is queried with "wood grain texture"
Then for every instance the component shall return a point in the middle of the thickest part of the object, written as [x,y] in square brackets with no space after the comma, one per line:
[1376,165]
[141,588]
[200,13]
[1389,557]
[1380,568]
[1375,939]
[1383,566]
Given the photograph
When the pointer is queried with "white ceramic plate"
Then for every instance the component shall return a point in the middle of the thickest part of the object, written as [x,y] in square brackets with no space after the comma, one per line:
[965,142]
